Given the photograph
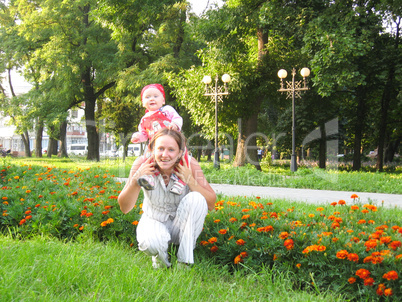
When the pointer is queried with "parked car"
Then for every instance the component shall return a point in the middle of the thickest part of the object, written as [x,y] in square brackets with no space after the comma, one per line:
[77,149]
[132,150]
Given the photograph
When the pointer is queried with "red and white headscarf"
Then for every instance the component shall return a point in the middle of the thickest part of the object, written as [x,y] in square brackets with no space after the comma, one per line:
[157,86]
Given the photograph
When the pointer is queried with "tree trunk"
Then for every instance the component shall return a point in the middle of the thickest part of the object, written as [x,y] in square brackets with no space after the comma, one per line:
[246,142]
[391,149]
[208,151]
[63,134]
[38,139]
[180,35]
[92,131]
[25,140]
[359,125]
[388,94]
[322,156]
[52,148]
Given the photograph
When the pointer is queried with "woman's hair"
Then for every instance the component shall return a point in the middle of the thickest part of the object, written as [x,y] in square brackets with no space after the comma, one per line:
[176,135]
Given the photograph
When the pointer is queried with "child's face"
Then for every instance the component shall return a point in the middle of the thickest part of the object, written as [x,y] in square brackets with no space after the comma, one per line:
[153,99]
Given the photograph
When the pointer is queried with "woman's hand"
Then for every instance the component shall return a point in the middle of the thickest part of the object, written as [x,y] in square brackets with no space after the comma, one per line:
[184,172]
[129,195]
[146,168]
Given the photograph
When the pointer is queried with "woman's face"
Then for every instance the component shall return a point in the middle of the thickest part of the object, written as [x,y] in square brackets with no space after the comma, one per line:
[167,152]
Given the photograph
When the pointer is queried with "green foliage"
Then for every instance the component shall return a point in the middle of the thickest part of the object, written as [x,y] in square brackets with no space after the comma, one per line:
[308,241]
[63,203]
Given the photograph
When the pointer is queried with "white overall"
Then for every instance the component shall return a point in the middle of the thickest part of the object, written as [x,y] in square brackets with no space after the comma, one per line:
[170,218]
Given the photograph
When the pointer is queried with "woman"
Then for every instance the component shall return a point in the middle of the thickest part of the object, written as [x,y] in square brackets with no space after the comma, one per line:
[168,218]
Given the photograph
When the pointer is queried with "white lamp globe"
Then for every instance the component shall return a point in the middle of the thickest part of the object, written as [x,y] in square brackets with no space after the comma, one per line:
[226,78]
[282,73]
[207,80]
[305,72]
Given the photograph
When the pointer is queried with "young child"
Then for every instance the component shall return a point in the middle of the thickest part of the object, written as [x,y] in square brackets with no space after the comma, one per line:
[157,116]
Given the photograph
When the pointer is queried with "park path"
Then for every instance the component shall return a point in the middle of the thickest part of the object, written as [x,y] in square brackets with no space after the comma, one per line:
[305,195]
[308,195]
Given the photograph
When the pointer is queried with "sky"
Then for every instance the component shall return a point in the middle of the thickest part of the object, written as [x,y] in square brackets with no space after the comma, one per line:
[199,5]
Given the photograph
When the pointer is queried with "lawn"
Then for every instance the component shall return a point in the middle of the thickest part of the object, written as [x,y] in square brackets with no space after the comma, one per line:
[275,175]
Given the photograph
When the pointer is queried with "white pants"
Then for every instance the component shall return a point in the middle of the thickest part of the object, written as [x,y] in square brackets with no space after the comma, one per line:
[154,236]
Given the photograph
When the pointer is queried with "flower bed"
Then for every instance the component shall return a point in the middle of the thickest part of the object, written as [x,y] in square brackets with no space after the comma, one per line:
[348,247]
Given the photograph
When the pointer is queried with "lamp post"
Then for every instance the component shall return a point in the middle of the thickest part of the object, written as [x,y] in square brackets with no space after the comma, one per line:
[294,89]
[216,94]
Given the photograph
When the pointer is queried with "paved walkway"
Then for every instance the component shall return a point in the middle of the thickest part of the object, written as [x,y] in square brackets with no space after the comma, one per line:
[307,195]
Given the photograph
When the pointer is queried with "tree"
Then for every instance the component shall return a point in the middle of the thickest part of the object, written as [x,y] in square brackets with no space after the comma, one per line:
[81,51]
[346,60]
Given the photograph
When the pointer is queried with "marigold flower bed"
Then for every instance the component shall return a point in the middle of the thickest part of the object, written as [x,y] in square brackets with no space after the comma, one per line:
[348,247]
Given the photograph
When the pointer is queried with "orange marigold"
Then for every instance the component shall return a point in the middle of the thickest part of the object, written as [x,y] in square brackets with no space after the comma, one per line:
[352,280]
[353,257]
[342,254]
[380,289]
[214,249]
[222,231]
[283,235]
[341,202]
[354,207]
[362,273]
[391,275]
[232,219]
[370,244]
[243,254]
[354,196]
[212,240]
[240,242]
[289,244]
[386,239]
[238,259]
[394,245]
[388,292]
[369,281]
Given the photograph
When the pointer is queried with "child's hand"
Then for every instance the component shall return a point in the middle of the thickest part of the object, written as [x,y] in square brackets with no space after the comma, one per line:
[173,126]
[135,138]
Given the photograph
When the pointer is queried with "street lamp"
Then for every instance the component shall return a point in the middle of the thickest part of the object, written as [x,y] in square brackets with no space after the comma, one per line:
[216,94]
[294,89]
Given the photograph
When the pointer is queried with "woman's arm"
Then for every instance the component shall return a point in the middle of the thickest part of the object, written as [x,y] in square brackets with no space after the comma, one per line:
[196,181]
[129,195]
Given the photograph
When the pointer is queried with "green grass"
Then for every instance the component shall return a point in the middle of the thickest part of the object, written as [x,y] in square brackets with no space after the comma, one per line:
[44,269]
[340,179]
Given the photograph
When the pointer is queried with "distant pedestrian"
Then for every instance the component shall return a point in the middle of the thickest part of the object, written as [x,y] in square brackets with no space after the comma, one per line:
[259,154]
